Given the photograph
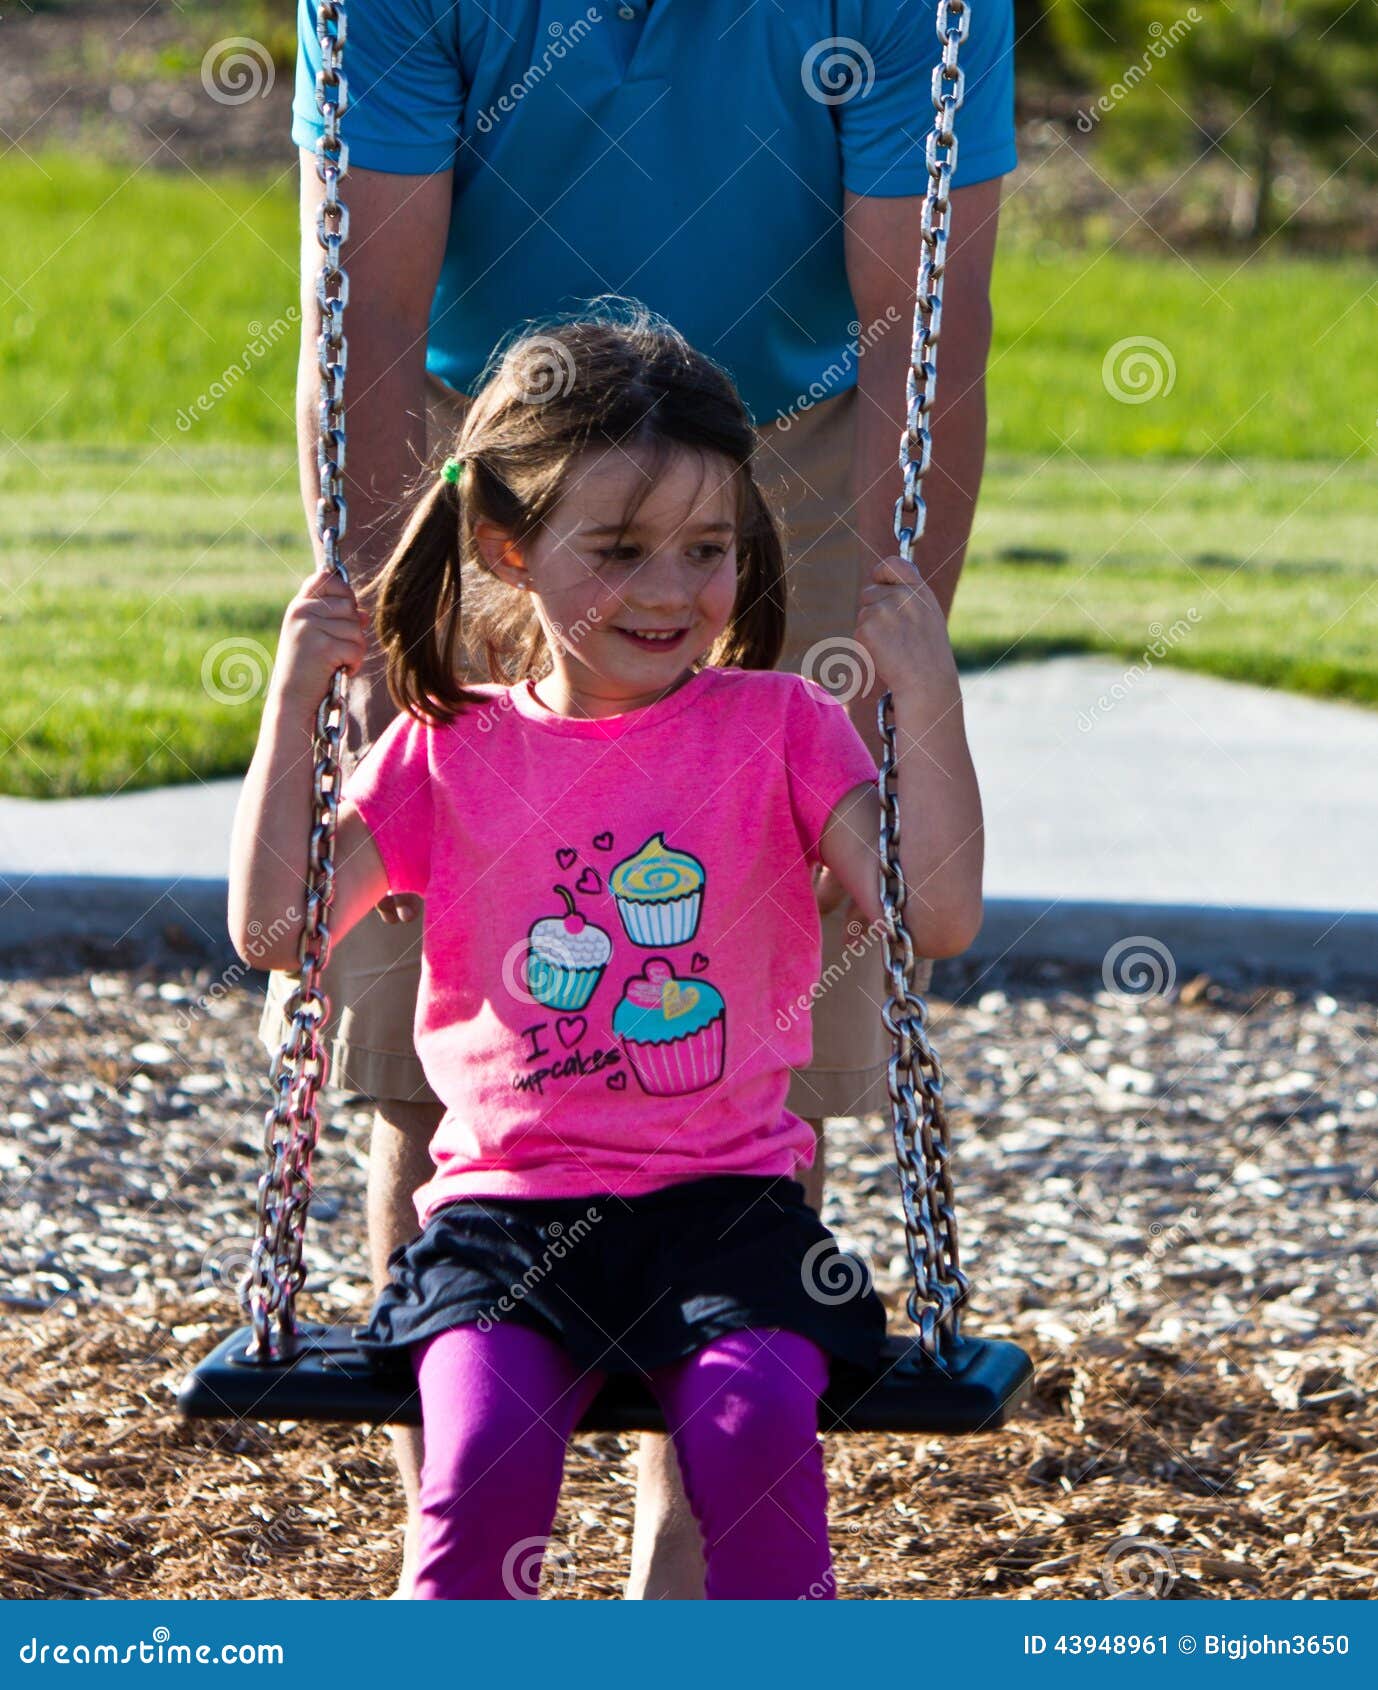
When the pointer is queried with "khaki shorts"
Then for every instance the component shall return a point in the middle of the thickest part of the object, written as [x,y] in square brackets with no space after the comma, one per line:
[374,972]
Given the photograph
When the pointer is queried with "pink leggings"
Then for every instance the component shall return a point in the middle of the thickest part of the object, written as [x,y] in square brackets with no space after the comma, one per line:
[499,1407]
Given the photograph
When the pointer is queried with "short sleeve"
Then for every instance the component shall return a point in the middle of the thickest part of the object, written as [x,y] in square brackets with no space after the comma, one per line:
[883,127]
[406,94]
[826,757]
[391,789]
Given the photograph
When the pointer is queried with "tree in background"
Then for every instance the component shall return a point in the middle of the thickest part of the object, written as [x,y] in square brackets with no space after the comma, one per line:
[1255,78]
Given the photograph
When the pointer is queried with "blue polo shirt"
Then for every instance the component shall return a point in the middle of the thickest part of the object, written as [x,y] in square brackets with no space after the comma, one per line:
[689,153]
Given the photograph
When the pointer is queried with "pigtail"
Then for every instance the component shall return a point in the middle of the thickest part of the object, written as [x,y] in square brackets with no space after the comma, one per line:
[416,605]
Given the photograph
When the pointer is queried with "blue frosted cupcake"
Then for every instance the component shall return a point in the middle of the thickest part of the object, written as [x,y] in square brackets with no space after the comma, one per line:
[673,1030]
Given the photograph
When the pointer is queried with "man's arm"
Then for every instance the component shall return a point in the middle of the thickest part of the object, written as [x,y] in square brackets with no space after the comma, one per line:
[397,231]
[883,246]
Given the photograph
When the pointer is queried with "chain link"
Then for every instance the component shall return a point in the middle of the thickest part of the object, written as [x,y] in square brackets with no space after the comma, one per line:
[276,1272]
[914,1076]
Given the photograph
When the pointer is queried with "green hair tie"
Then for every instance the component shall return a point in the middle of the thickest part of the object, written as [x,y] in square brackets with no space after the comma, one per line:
[451,470]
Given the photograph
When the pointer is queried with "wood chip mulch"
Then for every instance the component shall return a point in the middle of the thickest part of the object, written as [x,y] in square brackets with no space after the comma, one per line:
[1168,1199]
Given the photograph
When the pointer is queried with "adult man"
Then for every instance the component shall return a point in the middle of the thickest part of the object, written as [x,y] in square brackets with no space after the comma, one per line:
[755,177]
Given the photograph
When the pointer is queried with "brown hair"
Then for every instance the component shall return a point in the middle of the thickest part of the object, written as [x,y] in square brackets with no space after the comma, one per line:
[557,390]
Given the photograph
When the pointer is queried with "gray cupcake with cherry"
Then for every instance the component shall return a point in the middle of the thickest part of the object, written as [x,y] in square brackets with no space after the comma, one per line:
[565,958]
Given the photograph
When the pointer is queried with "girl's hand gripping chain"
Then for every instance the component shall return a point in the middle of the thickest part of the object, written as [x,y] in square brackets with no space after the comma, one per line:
[901,624]
[323,629]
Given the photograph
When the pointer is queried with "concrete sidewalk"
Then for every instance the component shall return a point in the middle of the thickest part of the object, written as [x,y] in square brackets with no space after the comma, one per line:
[1227,823]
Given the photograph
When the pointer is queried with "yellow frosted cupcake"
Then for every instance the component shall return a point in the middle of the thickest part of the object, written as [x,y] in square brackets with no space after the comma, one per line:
[658,893]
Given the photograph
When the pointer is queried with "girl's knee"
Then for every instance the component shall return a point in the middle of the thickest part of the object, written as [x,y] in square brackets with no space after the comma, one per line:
[757,1407]
[771,1367]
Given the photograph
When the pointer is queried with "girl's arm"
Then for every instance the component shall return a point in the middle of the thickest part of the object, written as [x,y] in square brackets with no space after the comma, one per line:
[323,630]
[942,834]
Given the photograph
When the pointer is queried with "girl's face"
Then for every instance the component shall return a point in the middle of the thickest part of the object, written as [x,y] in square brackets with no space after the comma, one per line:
[673,573]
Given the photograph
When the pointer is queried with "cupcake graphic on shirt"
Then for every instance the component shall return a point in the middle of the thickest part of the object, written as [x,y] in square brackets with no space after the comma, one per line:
[565,958]
[659,893]
[673,1030]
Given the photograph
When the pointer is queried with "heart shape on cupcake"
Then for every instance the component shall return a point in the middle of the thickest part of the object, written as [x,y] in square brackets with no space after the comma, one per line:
[677,1000]
[648,986]
[657,988]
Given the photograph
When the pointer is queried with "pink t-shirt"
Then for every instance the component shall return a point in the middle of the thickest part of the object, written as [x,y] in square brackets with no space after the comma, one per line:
[620,942]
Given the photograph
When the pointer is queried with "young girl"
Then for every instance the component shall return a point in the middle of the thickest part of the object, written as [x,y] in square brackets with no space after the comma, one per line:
[616,840]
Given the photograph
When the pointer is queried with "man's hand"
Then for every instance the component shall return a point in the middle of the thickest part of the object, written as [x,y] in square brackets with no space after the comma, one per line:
[405,906]
[828,890]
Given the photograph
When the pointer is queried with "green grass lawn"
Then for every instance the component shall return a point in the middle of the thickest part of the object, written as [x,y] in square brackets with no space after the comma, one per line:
[147,520]
[143,593]
[129,295]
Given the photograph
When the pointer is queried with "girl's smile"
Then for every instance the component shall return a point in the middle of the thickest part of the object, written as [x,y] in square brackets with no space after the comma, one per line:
[628,610]
[659,640]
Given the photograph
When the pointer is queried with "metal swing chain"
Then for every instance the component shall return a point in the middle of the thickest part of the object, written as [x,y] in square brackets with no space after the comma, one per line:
[914,1076]
[276,1274]
[291,1125]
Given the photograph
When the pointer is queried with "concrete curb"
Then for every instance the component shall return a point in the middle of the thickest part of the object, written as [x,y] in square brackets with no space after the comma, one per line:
[39,908]
[1137,941]
[1134,938]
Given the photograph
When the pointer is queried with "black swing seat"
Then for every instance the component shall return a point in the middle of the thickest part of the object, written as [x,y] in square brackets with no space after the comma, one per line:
[975,1389]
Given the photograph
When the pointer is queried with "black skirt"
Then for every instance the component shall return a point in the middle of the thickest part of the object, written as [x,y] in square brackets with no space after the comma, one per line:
[631,1283]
